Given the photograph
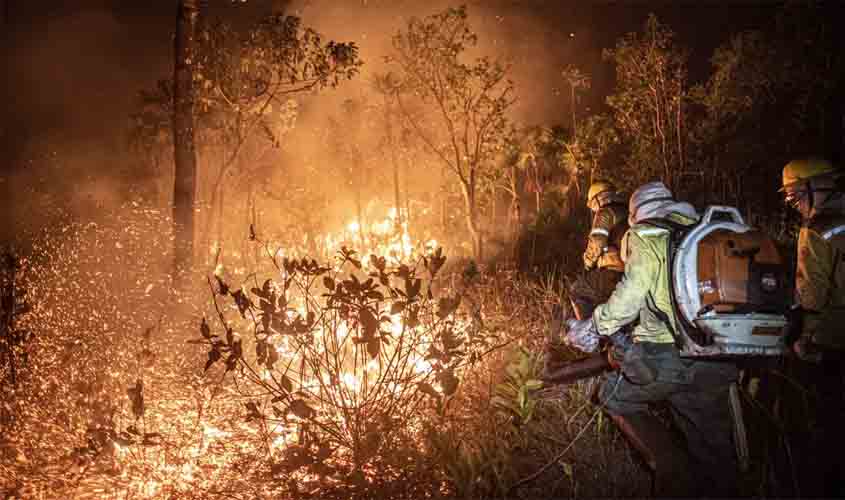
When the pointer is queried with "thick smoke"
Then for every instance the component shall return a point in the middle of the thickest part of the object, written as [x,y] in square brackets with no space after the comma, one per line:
[537,38]
[73,79]
[75,68]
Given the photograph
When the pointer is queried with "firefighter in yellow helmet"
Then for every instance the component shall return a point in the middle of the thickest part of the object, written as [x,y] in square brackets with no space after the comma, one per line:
[814,188]
[610,222]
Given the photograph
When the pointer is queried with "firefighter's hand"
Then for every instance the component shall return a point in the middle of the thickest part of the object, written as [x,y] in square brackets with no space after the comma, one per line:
[590,260]
[806,350]
[582,335]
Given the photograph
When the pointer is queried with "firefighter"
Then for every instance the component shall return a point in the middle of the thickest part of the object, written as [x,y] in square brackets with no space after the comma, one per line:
[652,370]
[610,221]
[814,188]
[601,257]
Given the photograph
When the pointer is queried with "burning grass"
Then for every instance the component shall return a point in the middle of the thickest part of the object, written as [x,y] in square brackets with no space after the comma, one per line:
[353,378]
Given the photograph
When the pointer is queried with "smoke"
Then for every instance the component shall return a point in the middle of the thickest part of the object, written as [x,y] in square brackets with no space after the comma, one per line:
[73,82]
[528,36]
[538,39]
[77,71]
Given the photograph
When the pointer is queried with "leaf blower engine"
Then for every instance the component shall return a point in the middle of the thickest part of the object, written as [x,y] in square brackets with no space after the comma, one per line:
[729,287]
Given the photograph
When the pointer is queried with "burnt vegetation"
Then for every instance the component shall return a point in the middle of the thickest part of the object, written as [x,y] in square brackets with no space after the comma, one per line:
[369,299]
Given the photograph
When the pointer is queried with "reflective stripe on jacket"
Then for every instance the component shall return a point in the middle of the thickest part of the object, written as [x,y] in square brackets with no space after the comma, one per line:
[604,241]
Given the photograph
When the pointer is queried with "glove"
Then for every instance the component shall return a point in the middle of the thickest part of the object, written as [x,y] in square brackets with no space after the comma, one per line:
[806,350]
[591,254]
[590,257]
[582,335]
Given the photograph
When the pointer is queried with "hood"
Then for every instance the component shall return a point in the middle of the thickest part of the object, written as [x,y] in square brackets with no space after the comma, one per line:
[655,201]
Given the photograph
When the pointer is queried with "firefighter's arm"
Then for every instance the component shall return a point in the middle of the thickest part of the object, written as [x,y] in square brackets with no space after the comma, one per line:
[598,237]
[624,305]
[812,278]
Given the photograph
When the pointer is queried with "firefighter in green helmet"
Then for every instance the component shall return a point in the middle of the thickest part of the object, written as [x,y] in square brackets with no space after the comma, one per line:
[652,370]
[814,188]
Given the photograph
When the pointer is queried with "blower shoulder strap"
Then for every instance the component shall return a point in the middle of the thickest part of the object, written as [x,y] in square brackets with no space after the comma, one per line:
[676,229]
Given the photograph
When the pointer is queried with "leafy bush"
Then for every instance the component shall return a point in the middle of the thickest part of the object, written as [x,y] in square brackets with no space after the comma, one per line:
[342,365]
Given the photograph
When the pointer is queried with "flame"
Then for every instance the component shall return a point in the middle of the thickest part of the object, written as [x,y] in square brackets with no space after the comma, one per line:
[388,237]
[216,438]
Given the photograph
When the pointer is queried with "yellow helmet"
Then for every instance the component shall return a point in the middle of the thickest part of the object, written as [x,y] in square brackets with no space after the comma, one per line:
[598,188]
[798,171]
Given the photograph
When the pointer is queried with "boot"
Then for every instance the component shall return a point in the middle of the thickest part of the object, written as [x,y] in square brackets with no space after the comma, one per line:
[669,463]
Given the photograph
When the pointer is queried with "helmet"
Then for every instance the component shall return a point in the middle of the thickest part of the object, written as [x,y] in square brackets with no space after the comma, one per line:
[809,184]
[650,194]
[798,171]
[598,188]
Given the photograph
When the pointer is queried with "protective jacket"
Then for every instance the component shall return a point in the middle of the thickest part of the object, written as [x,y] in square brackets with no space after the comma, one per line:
[604,242]
[644,292]
[820,278]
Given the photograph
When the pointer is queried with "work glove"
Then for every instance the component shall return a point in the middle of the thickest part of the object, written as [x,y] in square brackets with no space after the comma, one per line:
[590,261]
[582,335]
[806,350]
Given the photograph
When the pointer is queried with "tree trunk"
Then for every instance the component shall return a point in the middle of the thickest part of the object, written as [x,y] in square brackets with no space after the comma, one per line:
[468,189]
[397,199]
[444,211]
[359,209]
[407,188]
[514,219]
[494,208]
[398,204]
[184,190]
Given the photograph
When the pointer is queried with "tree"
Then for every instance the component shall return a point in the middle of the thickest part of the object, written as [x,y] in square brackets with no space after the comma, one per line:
[737,103]
[245,83]
[184,153]
[589,155]
[772,94]
[386,86]
[576,81]
[649,105]
[249,79]
[468,102]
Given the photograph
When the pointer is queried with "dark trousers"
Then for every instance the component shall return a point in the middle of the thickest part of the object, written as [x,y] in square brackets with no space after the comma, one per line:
[818,433]
[697,393]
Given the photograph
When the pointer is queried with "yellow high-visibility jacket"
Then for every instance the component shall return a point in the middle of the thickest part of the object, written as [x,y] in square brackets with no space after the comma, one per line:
[820,279]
